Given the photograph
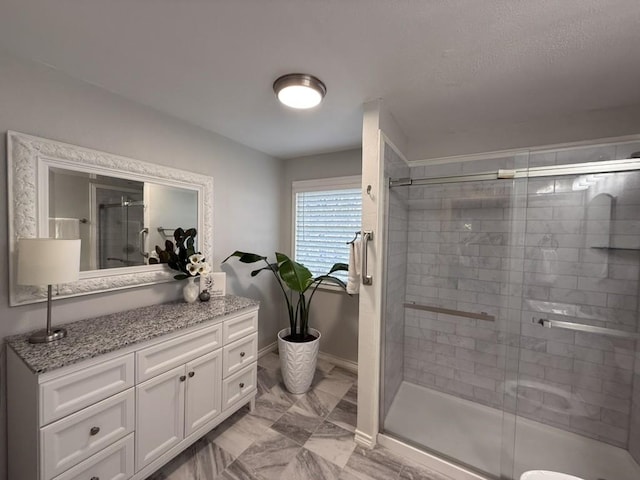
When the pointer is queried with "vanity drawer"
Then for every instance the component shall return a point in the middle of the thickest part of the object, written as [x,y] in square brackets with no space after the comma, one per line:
[71,440]
[78,390]
[239,354]
[237,328]
[239,385]
[163,357]
[113,463]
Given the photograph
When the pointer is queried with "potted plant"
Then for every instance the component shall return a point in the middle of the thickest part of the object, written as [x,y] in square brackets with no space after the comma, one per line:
[297,345]
[183,257]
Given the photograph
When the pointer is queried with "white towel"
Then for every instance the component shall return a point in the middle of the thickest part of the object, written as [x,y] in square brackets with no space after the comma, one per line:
[353,277]
[64,228]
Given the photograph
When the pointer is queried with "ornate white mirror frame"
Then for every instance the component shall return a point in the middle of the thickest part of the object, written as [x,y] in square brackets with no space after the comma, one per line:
[28,161]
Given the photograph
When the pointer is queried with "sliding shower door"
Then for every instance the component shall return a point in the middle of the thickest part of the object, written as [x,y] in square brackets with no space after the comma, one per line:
[462,297]
[511,329]
[576,408]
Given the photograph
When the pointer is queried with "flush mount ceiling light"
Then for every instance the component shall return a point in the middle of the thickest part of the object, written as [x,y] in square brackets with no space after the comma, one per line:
[299,90]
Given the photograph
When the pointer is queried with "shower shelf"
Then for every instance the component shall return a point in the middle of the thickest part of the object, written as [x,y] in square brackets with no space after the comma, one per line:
[617,248]
[458,313]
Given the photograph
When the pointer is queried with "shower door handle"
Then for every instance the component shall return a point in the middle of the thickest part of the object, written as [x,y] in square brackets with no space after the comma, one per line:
[141,235]
[578,327]
[366,278]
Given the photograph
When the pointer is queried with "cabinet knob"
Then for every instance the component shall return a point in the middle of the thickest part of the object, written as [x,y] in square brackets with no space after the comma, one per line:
[241,384]
[191,374]
[242,354]
[94,431]
[182,378]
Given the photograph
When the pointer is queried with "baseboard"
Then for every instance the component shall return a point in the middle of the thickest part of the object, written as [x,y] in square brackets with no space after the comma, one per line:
[449,469]
[272,347]
[339,362]
[364,440]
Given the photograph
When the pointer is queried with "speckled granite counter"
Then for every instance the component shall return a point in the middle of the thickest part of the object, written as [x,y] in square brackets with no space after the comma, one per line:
[97,336]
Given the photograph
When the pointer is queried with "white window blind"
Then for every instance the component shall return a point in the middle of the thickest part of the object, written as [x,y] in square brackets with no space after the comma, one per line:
[325,220]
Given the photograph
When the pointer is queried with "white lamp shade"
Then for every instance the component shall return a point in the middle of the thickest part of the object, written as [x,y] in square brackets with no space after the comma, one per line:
[48,261]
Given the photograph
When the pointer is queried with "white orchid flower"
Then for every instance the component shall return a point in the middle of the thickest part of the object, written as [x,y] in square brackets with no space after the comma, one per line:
[204,268]
[193,269]
[196,258]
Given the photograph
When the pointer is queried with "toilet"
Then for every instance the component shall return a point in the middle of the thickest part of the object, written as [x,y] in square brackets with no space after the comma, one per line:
[547,475]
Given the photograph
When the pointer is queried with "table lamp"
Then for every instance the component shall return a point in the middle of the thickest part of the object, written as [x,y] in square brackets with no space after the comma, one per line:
[48,261]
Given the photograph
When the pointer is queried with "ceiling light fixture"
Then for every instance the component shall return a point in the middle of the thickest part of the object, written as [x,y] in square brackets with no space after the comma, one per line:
[299,90]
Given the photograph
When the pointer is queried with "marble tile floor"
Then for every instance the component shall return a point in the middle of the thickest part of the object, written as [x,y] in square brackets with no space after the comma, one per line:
[292,437]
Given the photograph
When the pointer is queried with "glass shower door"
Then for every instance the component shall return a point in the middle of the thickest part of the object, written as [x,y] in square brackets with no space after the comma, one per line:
[464,248]
[577,392]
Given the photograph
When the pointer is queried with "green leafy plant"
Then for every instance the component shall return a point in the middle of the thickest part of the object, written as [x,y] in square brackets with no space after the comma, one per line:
[182,256]
[297,279]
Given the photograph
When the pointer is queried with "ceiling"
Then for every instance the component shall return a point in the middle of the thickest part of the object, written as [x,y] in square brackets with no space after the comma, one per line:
[441,66]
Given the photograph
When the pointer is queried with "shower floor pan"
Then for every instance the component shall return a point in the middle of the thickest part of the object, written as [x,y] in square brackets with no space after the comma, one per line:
[471,434]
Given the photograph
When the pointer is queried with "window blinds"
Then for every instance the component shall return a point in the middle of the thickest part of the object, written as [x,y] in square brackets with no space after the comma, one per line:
[325,221]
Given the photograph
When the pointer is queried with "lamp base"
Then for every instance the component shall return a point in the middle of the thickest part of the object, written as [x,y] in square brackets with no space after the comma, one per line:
[43,336]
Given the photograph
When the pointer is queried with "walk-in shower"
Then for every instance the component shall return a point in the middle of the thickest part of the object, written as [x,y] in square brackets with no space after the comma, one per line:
[511,312]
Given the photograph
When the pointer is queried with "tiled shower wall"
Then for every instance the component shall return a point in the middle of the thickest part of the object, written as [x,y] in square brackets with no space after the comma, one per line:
[397,216]
[560,248]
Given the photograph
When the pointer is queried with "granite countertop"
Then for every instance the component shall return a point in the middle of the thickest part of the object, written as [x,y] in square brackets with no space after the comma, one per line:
[96,336]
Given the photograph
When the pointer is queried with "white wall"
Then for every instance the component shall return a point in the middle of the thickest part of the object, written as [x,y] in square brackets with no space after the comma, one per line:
[335,314]
[41,101]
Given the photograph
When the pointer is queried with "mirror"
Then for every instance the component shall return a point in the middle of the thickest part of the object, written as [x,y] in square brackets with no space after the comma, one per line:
[119,207]
[119,221]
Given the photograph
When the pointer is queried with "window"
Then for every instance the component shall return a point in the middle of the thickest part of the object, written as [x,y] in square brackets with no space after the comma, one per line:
[326,215]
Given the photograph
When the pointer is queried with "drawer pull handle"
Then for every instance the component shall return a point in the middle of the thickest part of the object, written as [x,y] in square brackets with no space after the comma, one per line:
[241,384]
[182,378]
[94,431]
[242,354]
[191,374]
[95,478]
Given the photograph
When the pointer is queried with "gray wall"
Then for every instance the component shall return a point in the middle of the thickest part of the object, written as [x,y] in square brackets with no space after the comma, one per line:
[247,187]
[335,314]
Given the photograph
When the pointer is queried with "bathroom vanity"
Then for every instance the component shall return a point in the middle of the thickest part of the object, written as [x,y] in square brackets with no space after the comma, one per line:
[122,394]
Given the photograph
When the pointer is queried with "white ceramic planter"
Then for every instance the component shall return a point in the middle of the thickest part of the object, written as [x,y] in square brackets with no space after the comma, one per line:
[298,361]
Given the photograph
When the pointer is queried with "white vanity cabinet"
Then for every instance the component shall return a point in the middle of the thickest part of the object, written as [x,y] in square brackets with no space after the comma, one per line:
[124,414]
[175,404]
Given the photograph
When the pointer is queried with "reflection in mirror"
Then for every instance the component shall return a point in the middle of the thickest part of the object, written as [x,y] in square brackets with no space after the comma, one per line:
[120,208]
[118,220]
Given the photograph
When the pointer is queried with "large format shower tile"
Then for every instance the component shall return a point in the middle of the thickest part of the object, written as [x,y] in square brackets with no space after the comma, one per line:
[352,394]
[376,464]
[418,472]
[238,432]
[268,457]
[332,443]
[318,402]
[309,466]
[345,415]
[297,424]
[210,459]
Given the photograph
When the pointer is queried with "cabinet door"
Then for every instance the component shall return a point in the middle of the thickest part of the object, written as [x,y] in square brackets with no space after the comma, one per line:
[204,396]
[159,415]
